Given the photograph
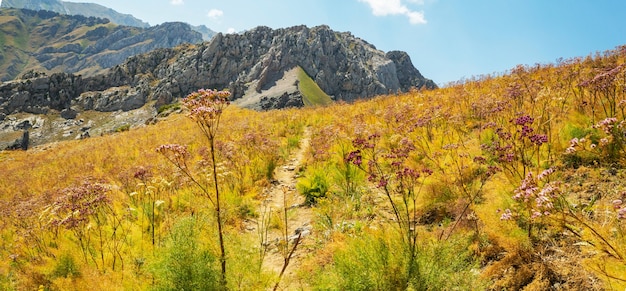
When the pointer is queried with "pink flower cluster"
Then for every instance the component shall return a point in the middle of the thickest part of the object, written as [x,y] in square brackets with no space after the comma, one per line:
[177,154]
[607,124]
[355,158]
[604,80]
[573,143]
[178,151]
[539,200]
[78,205]
[620,208]
[507,215]
[525,119]
[206,104]
[387,168]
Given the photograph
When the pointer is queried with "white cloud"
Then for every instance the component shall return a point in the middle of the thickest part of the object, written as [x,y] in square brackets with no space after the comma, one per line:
[177,2]
[231,30]
[416,17]
[215,13]
[396,7]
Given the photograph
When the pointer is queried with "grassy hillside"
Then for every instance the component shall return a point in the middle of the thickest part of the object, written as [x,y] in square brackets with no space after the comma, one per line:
[312,94]
[72,8]
[498,183]
[26,34]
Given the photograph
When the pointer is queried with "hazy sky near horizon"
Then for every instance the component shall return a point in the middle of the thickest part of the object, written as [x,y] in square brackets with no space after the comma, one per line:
[447,40]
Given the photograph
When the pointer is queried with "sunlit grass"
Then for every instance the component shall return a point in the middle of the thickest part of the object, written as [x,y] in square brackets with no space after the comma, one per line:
[466,134]
[312,94]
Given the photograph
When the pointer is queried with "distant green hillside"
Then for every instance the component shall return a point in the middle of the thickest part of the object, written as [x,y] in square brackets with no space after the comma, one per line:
[49,42]
[312,94]
[72,8]
[27,33]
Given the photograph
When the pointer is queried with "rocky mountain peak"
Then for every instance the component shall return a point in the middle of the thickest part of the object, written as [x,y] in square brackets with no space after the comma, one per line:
[344,66]
[264,69]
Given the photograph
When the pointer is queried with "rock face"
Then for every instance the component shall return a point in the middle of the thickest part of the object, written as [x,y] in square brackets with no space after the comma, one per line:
[249,64]
[20,143]
[408,75]
[206,32]
[345,67]
[77,44]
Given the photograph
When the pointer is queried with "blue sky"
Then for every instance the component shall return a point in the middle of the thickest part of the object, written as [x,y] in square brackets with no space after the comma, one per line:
[447,40]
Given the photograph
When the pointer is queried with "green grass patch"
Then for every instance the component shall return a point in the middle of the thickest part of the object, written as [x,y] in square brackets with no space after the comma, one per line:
[378,261]
[168,107]
[2,42]
[122,128]
[312,94]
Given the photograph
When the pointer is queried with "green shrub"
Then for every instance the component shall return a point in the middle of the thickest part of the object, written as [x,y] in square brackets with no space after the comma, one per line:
[66,267]
[448,265]
[7,282]
[293,142]
[313,187]
[269,169]
[168,107]
[371,262]
[184,264]
[379,262]
[122,128]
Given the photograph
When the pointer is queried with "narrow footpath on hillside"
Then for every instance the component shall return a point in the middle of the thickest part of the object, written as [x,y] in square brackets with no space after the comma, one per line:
[279,198]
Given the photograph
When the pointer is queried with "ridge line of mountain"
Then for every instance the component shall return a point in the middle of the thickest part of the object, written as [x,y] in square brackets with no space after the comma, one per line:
[345,67]
[263,68]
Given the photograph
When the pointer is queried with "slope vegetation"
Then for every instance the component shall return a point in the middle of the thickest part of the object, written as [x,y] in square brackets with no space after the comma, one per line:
[48,42]
[499,183]
[73,8]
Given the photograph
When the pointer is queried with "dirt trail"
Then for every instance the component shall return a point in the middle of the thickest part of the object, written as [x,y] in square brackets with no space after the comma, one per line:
[283,192]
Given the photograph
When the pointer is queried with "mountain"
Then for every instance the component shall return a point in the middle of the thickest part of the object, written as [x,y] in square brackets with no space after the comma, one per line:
[49,42]
[263,69]
[72,8]
[206,32]
[91,10]
[512,181]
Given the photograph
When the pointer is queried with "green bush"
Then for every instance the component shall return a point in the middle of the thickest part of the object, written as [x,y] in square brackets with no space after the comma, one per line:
[370,262]
[184,264]
[269,169]
[122,128]
[379,262]
[66,267]
[313,187]
[448,265]
[7,282]
[168,107]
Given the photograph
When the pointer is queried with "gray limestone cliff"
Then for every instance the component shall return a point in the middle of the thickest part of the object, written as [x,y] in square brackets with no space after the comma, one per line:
[343,66]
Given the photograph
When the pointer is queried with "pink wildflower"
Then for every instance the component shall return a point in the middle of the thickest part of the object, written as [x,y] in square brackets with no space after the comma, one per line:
[507,215]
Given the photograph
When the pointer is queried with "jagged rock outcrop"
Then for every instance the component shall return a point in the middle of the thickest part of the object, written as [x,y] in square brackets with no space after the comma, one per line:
[263,68]
[77,44]
[345,67]
[20,143]
[113,47]
[408,75]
